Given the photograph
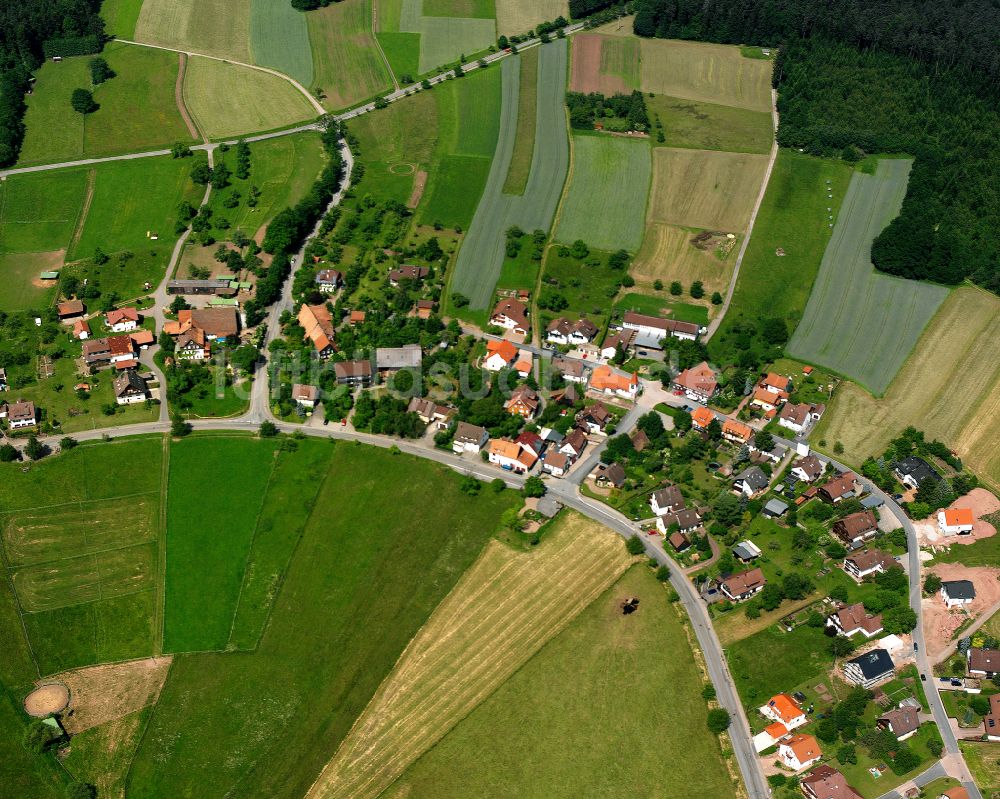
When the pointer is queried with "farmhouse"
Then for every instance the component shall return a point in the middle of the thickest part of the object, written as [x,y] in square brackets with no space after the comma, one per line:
[563,331]
[511,314]
[317,323]
[912,471]
[737,432]
[329,280]
[81,329]
[956,593]
[784,709]
[19,414]
[620,341]
[666,500]
[750,482]
[122,320]
[393,359]
[499,355]
[869,669]
[428,412]
[701,417]
[798,417]
[699,383]
[469,438]
[687,521]
[651,330]
[824,782]
[96,352]
[955,521]
[216,286]
[353,373]
[851,619]
[511,456]
[983,662]
[219,324]
[120,348]
[130,388]
[603,378]
[743,585]
[408,272]
[903,722]
[192,345]
[70,309]
[808,469]
[570,369]
[595,417]
[843,486]
[304,395]
[523,402]
[799,752]
[855,528]
[991,723]
[862,564]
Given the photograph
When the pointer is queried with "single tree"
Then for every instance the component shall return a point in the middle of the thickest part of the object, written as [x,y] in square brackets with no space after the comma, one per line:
[634,545]
[35,449]
[718,720]
[716,298]
[100,71]
[697,290]
[178,426]
[676,289]
[932,584]
[8,453]
[180,150]
[36,736]
[83,102]
[268,429]
[533,487]
[68,443]
[663,574]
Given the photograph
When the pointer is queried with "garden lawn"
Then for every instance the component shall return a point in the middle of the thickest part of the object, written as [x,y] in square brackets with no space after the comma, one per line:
[606,202]
[346,62]
[209,534]
[559,742]
[264,723]
[229,100]
[984,763]
[859,323]
[212,27]
[710,126]
[145,78]
[279,39]
[20,287]
[663,306]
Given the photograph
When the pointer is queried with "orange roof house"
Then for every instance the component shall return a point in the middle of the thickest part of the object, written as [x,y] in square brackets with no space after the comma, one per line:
[356,317]
[957,516]
[736,431]
[699,382]
[776,382]
[782,708]
[701,417]
[777,730]
[800,752]
[499,355]
[605,379]
[318,326]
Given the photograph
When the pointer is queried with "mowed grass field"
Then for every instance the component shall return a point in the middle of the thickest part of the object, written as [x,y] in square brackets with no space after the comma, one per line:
[520,16]
[443,38]
[359,586]
[709,190]
[211,27]
[857,322]
[120,17]
[561,725]
[480,258]
[793,218]
[710,126]
[279,39]
[229,100]
[667,254]
[527,113]
[606,200]
[346,62]
[503,610]
[86,582]
[959,348]
[145,77]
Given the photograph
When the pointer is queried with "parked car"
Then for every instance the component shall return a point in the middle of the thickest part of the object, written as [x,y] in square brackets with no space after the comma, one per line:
[923,677]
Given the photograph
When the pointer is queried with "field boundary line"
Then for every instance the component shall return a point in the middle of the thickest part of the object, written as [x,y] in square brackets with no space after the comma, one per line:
[160,603]
[81,219]
[302,89]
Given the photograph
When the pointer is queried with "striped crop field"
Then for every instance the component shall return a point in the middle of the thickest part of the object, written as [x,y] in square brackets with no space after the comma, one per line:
[857,322]
[279,39]
[481,256]
[443,39]
[606,202]
[211,27]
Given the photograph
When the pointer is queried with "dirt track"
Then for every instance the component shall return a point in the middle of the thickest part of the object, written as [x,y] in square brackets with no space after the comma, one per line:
[179,98]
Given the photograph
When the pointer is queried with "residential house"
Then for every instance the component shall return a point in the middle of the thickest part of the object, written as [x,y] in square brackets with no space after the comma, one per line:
[837,489]
[808,469]
[667,500]
[779,384]
[766,400]
[424,309]
[122,320]
[775,508]
[356,318]
[142,338]
[870,561]
[639,439]
[408,272]
[869,669]
[746,551]
[19,414]
[799,752]
[595,417]
[774,455]
[317,323]
[511,314]
[737,432]
[389,360]
[956,593]
[751,482]
[991,722]
[701,417]
[610,476]
[651,330]
[699,383]
[305,395]
[958,791]
[772,733]
[571,370]
[469,438]
[523,402]
[798,417]
[121,349]
[983,662]
[499,355]
[430,412]
[353,373]
[191,345]
[563,331]
[903,722]
[524,363]
[912,471]
[511,456]
[574,443]
[556,464]
[329,280]
[130,388]
[621,341]
[743,585]
[567,396]
[219,324]
[824,782]
[532,441]
[856,528]
[4,385]
[611,382]
[678,541]
[81,329]
[784,709]
[687,521]
[851,619]
[955,521]
[70,309]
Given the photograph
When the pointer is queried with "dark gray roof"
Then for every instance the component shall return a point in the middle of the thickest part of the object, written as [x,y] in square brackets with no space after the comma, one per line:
[744,552]
[871,501]
[917,468]
[959,589]
[776,506]
[873,664]
[754,477]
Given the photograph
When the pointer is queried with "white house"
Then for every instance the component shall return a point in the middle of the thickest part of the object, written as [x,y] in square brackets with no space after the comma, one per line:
[956,593]
[870,668]
[122,320]
[808,469]
[499,355]
[469,438]
[306,396]
[871,561]
[955,521]
[19,414]
[556,464]
[666,500]
[799,752]
[563,331]
[573,444]
[799,416]
[510,314]
[130,388]
[328,280]
[511,456]
[605,379]
[651,330]
[122,348]
[743,585]
[784,709]
[686,520]
[852,619]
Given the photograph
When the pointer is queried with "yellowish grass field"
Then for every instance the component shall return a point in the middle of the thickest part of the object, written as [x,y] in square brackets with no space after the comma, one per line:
[501,612]
[212,27]
[520,16]
[667,254]
[704,189]
[949,388]
[229,100]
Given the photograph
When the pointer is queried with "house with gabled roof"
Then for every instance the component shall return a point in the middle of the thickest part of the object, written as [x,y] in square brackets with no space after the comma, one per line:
[70,309]
[776,383]
[767,400]
[699,383]
[651,330]
[800,416]
[353,373]
[570,369]
[469,438]
[799,752]
[511,314]
[511,456]
[595,417]
[871,561]
[808,469]
[317,323]
[565,331]
[956,521]
[523,402]
[122,320]
[737,432]
[618,341]
[668,499]
[329,280]
[743,585]
[408,272]
[849,620]
[913,470]
[856,528]
[701,417]
[130,388]
[870,668]
[957,593]
[824,782]
[837,489]
[305,395]
[784,709]
[687,521]
[612,382]
[20,414]
[751,482]
[499,355]
[574,443]
[903,722]
[983,662]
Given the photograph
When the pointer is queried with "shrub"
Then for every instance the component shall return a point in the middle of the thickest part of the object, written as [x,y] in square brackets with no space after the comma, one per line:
[718,720]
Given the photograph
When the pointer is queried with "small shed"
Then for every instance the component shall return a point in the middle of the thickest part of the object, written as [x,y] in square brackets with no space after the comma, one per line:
[775,508]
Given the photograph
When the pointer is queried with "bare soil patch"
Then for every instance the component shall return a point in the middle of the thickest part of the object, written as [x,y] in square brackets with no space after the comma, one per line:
[179,98]
[940,623]
[419,183]
[585,72]
[100,694]
[982,503]
[47,699]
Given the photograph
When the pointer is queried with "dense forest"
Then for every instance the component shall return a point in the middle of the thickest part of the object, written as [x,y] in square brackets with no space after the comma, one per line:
[30,30]
[889,76]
